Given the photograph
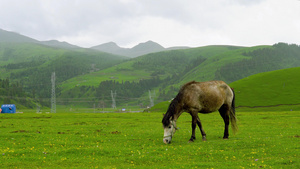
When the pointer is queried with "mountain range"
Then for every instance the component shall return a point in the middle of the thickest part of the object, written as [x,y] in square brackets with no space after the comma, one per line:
[110,47]
[87,76]
[138,50]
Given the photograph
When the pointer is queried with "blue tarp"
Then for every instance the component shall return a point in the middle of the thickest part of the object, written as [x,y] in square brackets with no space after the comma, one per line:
[8,108]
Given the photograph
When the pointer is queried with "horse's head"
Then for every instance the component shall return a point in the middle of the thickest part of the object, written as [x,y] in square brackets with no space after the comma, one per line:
[169,120]
[169,131]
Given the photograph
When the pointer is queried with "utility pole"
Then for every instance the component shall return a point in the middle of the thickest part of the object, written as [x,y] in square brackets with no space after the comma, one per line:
[94,107]
[113,97]
[53,96]
[151,98]
[38,108]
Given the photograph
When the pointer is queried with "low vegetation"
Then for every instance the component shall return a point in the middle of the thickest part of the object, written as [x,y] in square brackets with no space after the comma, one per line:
[134,140]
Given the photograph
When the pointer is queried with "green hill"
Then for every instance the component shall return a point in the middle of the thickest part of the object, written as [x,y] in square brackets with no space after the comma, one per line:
[175,68]
[31,65]
[268,89]
[280,87]
[167,66]
[161,64]
[208,70]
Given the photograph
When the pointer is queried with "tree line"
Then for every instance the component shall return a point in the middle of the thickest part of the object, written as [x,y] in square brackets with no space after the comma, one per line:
[279,56]
[14,93]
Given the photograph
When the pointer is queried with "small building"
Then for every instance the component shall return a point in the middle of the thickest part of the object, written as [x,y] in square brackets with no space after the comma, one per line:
[8,108]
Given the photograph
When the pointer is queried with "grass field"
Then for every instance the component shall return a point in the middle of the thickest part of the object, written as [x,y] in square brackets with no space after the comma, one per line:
[134,140]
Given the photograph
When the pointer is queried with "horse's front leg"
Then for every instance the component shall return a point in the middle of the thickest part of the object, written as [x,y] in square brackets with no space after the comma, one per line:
[201,129]
[194,122]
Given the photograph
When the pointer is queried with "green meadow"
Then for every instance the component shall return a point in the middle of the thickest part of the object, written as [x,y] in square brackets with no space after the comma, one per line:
[134,140]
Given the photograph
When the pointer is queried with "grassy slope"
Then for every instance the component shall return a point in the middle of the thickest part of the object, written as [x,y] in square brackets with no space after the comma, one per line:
[22,55]
[32,65]
[119,72]
[281,87]
[270,88]
[22,52]
[206,71]
[126,72]
[11,53]
[14,53]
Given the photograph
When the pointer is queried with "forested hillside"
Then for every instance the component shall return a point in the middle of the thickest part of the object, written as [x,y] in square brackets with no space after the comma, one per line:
[280,56]
[13,93]
[166,68]
[174,68]
[31,65]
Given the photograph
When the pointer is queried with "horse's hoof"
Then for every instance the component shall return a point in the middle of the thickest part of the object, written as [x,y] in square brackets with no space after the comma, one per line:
[204,139]
[225,138]
[191,141]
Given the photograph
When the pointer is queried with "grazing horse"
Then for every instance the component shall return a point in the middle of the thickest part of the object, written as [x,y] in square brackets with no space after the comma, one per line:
[200,97]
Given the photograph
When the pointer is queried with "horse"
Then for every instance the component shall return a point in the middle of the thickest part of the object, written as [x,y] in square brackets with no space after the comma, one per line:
[200,97]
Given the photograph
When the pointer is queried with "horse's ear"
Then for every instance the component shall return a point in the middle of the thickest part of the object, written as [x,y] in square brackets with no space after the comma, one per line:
[164,114]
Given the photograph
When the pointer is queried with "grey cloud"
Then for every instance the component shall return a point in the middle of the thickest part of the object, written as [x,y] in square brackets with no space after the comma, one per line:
[170,22]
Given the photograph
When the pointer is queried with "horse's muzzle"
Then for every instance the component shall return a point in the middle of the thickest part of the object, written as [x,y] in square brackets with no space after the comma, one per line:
[167,140]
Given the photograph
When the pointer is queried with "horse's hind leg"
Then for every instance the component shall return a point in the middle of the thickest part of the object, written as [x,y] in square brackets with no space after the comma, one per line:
[224,112]
[201,129]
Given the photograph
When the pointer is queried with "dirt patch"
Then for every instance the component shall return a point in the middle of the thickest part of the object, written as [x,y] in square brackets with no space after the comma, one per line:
[115,132]
[19,131]
[44,117]
[82,123]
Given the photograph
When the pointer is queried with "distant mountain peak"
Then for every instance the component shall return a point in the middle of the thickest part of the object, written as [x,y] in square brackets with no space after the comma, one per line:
[149,44]
[111,43]
[138,50]
[109,47]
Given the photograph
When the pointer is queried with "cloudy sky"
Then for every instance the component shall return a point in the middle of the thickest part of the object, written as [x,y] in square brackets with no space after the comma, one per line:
[193,23]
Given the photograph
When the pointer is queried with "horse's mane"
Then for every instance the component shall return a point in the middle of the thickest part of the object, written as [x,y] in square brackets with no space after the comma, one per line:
[172,109]
[187,84]
[174,105]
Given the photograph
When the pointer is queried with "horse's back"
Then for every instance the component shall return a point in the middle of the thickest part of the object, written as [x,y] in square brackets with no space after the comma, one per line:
[206,96]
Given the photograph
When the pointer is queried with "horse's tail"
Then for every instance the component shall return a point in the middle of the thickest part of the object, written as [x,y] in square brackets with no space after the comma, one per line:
[233,119]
